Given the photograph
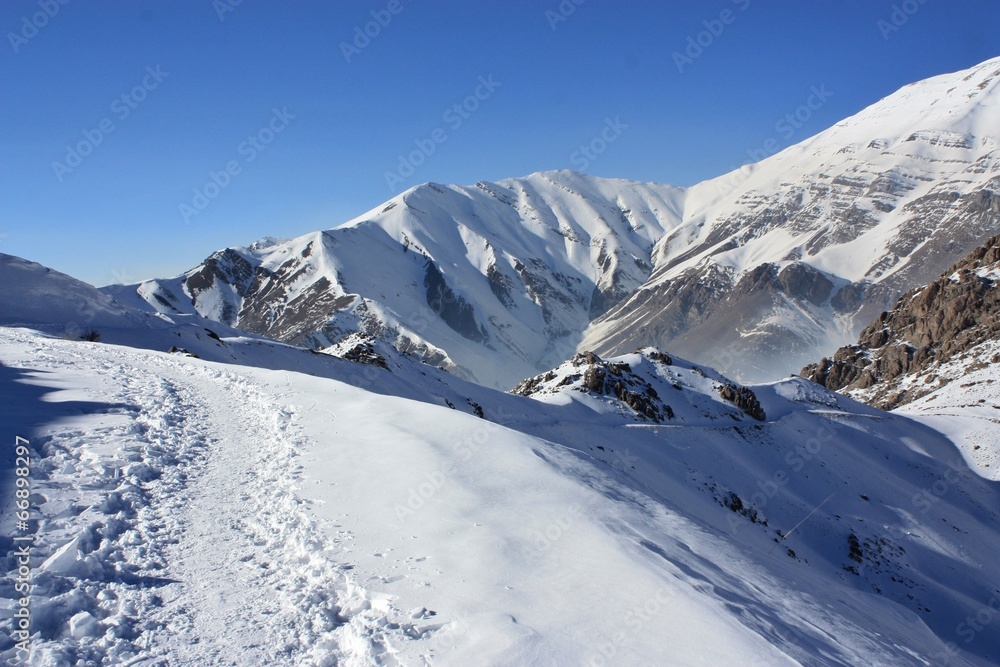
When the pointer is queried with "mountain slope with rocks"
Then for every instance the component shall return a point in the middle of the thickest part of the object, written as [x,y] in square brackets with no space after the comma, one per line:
[951,323]
[492,282]
[788,258]
[934,357]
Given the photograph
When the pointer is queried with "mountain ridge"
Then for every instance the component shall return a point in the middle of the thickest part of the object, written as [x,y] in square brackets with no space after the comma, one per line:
[758,271]
[879,203]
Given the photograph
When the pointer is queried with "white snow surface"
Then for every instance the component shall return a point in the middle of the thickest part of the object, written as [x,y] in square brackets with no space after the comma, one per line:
[198,513]
[265,505]
[966,406]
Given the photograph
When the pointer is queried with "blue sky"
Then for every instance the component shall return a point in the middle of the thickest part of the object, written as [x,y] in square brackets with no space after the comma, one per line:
[300,131]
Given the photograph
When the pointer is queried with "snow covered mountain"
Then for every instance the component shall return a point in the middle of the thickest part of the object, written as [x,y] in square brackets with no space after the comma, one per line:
[788,258]
[493,282]
[756,272]
[374,510]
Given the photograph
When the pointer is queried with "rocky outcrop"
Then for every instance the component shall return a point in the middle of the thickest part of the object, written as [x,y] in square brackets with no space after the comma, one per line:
[927,327]
[364,353]
[609,378]
[456,312]
[744,399]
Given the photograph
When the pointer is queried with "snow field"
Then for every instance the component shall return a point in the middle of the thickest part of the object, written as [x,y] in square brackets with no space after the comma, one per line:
[211,514]
[175,531]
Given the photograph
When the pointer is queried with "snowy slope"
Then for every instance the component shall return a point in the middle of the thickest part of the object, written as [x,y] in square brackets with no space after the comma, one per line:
[47,300]
[757,272]
[435,535]
[187,508]
[967,407]
[792,256]
[37,295]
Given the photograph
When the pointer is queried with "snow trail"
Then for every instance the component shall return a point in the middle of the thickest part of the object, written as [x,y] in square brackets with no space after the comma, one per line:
[201,552]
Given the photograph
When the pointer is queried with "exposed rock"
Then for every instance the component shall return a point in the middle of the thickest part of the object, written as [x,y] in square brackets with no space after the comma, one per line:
[228,267]
[364,353]
[585,358]
[609,378]
[457,313]
[804,282]
[661,357]
[926,328]
[734,503]
[848,298]
[744,399]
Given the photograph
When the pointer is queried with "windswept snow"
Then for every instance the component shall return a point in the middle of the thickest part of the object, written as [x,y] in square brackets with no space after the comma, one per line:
[966,406]
[200,513]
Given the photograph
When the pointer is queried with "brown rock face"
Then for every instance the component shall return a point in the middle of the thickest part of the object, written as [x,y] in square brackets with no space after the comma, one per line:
[744,399]
[609,378]
[927,326]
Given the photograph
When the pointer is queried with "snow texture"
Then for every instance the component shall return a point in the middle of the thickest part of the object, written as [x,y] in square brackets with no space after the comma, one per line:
[280,506]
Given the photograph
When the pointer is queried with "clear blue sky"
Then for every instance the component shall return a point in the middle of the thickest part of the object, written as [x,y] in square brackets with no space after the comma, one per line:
[115,214]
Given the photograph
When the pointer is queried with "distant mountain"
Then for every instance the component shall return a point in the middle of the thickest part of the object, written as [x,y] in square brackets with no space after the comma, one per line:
[35,295]
[783,261]
[493,282]
[756,273]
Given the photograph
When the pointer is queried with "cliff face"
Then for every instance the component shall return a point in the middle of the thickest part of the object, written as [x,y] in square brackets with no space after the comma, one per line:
[897,357]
